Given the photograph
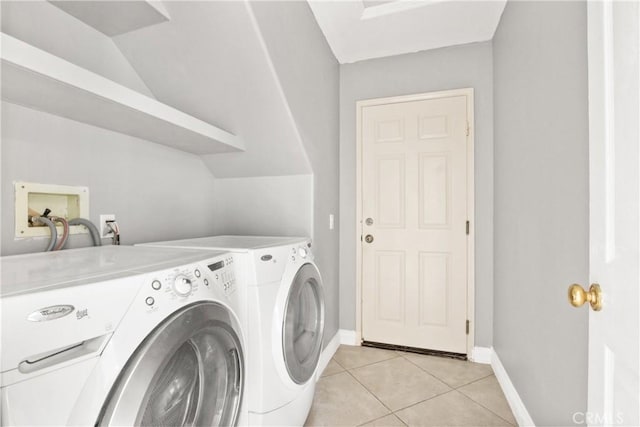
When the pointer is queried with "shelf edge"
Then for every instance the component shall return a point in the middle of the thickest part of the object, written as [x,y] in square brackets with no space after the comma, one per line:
[28,57]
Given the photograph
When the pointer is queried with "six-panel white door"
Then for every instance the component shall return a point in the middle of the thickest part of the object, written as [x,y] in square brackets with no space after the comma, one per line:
[414,208]
[614,157]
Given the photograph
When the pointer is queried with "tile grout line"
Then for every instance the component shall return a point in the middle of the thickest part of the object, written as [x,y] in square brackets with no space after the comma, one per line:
[413,404]
[474,381]
[429,373]
[479,403]
[422,401]
[322,375]
[331,375]
[379,418]
[347,371]
[443,381]
[373,394]
[336,362]
[392,412]
[488,409]
[369,364]
[451,389]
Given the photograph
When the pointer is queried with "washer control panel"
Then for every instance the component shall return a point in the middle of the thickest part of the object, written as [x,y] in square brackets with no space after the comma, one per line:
[182,285]
[183,282]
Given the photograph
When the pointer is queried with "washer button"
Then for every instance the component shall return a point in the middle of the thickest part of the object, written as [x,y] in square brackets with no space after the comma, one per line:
[197,273]
[156,285]
[206,282]
[150,301]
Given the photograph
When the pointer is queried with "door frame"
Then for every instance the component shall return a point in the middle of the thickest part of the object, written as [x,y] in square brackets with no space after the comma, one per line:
[360,105]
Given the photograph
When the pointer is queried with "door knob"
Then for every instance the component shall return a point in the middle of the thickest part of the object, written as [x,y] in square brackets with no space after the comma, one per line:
[368,238]
[578,296]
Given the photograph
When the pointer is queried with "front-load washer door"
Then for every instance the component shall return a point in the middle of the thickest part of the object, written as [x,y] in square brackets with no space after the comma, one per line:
[303,324]
[187,372]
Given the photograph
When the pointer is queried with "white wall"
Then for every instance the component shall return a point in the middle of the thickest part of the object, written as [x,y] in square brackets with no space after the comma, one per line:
[309,76]
[268,206]
[210,61]
[233,64]
[441,69]
[156,192]
[542,204]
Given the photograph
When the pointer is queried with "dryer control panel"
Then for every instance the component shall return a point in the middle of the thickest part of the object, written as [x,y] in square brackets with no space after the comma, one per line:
[301,252]
[224,274]
[183,282]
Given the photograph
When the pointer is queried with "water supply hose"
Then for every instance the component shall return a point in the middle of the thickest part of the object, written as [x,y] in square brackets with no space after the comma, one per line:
[52,228]
[65,232]
[93,230]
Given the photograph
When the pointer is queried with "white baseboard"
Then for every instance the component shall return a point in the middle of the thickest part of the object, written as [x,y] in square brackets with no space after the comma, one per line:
[481,355]
[513,398]
[327,353]
[348,337]
[343,336]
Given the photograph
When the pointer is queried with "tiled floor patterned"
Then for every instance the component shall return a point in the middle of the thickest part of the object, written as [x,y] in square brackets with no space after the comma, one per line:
[364,386]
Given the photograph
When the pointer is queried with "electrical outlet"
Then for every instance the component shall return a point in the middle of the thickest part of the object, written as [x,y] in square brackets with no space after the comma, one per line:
[105,231]
[331,222]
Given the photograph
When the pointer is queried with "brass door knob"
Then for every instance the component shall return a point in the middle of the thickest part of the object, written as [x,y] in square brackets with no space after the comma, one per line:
[578,296]
[368,238]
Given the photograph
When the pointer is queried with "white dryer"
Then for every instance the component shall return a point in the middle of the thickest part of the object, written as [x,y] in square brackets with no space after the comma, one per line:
[118,335]
[285,321]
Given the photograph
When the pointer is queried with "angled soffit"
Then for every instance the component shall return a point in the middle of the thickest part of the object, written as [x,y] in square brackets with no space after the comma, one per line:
[115,17]
[210,61]
[364,29]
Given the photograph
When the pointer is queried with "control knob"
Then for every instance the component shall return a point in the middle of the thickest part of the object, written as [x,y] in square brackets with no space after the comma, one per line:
[182,285]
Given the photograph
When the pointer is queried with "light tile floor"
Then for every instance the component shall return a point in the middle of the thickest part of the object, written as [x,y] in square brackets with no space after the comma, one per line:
[363,386]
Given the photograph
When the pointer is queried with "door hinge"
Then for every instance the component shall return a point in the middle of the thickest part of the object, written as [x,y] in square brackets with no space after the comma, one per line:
[467,128]
[467,228]
[467,327]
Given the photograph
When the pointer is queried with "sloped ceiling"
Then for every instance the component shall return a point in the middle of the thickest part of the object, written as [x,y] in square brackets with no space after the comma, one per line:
[210,61]
[364,29]
[51,29]
[113,17]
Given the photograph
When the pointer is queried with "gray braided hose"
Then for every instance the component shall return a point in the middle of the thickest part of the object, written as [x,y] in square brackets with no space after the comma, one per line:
[52,228]
[93,230]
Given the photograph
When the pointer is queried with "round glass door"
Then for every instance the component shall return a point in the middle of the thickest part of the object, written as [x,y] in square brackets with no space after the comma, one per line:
[303,324]
[188,372]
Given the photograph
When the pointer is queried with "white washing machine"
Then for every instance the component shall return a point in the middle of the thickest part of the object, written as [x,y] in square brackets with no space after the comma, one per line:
[285,321]
[118,335]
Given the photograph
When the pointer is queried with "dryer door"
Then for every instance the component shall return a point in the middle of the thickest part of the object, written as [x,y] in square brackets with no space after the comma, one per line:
[188,371]
[303,324]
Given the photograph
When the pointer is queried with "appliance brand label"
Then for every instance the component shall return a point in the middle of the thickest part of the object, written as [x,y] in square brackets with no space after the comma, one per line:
[50,313]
